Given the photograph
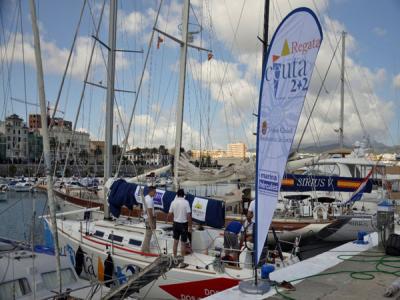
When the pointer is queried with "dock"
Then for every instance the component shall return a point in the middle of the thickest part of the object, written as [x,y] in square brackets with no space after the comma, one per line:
[351,271]
[351,279]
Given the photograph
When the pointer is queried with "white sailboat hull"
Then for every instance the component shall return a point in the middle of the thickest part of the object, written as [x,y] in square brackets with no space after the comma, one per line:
[350,229]
[200,279]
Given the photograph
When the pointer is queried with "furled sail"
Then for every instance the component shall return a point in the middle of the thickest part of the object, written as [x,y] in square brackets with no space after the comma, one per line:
[191,175]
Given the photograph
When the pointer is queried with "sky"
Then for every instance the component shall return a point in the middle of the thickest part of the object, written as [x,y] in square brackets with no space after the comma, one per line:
[222,93]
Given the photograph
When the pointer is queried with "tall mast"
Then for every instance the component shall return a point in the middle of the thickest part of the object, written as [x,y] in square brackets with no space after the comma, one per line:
[108,160]
[45,134]
[181,92]
[266,27]
[341,136]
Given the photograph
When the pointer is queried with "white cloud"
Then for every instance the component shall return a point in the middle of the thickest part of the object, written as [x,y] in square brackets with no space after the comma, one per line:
[55,58]
[396,81]
[238,91]
[133,22]
[379,31]
[148,132]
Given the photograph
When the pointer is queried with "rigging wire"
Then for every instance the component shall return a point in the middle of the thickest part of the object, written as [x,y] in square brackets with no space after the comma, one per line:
[328,110]
[23,58]
[83,88]
[346,73]
[10,62]
[5,63]
[67,65]
[161,77]
[138,91]
[318,94]
[226,68]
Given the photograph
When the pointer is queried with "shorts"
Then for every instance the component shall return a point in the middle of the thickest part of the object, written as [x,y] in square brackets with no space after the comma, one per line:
[180,230]
[231,240]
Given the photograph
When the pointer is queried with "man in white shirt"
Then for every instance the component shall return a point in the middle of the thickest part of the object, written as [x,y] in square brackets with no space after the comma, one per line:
[149,218]
[251,219]
[180,210]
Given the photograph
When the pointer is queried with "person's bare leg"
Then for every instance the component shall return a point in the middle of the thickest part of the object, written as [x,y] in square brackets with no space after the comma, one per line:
[175,247]
[183,248]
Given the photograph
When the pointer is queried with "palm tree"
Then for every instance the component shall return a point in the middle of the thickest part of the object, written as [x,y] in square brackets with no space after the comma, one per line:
[83,155]
[97,153]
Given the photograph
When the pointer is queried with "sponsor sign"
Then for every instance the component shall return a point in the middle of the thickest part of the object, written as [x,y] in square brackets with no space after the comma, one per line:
[199,208]
[137,194]
[286,78]
[158,198]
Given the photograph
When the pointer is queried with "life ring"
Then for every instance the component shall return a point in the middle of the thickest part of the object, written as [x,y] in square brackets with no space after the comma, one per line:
[320,212]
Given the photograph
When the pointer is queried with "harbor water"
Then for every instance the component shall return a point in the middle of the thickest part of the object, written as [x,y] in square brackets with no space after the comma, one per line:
[16,215]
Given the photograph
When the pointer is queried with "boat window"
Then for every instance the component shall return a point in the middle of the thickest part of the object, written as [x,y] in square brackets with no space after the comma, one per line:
[99,233]
[135,242]
[114,237]
[50,279]
[14,289]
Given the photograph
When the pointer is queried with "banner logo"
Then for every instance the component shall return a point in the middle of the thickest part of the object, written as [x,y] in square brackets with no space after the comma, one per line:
[199,208]
[158,198]
[268,182]
[264,128]
[291,65]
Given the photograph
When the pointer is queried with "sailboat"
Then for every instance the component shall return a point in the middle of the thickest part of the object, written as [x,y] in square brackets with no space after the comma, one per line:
[207,271]
[33,272]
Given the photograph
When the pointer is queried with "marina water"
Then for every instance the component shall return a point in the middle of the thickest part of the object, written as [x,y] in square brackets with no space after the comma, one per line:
[16,216]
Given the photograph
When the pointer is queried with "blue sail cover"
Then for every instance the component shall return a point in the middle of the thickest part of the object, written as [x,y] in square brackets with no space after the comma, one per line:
[124,194]
[121,194]
[305,183]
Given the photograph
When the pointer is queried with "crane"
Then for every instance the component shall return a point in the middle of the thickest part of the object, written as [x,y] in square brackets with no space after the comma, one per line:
[35,104]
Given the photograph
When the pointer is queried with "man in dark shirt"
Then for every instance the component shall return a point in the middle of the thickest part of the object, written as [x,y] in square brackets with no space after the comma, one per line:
[231,239]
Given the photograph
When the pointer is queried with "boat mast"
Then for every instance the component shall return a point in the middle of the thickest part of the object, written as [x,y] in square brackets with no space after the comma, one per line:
[265,33]
[45,134]
[341,136]
[108,159]
[264,57]
[181,91]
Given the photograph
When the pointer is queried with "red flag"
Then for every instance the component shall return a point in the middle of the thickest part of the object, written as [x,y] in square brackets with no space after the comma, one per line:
[159,41]
[209,56]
